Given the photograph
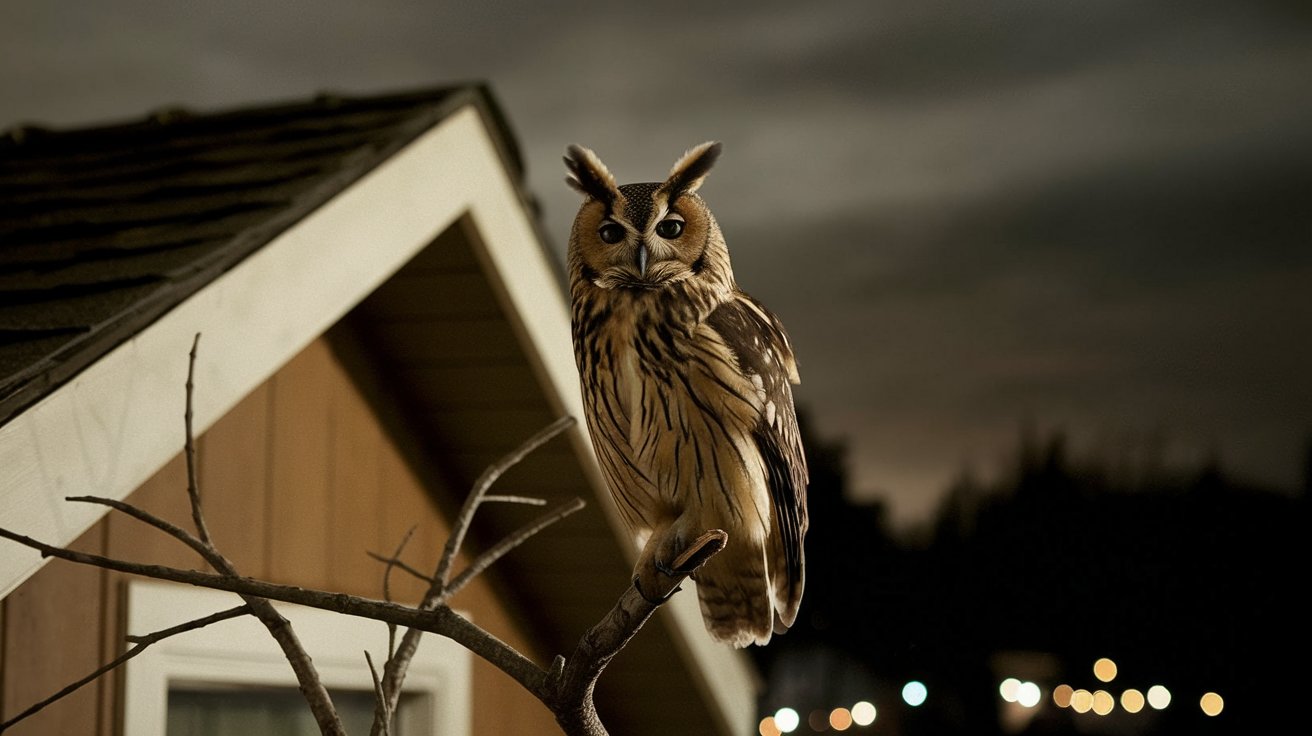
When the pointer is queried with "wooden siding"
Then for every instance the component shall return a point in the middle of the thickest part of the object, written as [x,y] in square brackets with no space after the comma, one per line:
[298,481]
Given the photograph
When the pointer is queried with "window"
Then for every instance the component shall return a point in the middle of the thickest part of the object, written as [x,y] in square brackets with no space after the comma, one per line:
[231,677]
[204,710]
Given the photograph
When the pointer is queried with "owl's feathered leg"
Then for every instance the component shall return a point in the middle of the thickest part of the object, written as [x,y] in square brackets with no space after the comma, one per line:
[673,558]
[734,591]
[666,541]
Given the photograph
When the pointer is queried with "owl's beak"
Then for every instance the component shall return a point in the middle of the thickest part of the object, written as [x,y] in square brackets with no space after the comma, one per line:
[642,259]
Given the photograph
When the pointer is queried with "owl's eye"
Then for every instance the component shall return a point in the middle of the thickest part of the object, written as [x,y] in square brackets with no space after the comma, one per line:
[611,233]
[669,229]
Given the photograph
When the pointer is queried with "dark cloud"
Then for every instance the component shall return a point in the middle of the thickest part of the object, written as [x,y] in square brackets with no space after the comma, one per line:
[970,215]
[1161,303]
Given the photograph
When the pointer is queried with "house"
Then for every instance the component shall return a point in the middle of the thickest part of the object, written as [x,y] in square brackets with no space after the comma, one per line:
[379,319]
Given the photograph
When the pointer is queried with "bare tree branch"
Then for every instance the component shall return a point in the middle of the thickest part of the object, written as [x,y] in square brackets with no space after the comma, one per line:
[440,620]
[382,712]
[173,530]
[193,491]
[481,486]
[568,692]
[394,561]
[394,671]
[307,677]
[526,500]
[399,661]
[382,716]
[387,588]
[279,627]
[140,643]
[402,565]
[518,537]
[566,688]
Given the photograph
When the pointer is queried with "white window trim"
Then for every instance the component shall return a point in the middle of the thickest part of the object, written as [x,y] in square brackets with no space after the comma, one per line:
[241,652]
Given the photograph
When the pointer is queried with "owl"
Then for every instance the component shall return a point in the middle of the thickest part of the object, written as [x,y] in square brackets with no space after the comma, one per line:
[687,391]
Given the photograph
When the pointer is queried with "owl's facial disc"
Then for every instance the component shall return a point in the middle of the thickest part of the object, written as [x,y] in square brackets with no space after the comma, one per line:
[643,241]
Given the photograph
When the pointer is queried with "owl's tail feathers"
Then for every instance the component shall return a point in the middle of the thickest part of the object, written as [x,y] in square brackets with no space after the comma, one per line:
[734,591]
[788,585]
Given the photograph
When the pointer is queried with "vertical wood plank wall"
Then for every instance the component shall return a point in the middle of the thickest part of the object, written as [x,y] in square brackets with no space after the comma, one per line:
[298,481]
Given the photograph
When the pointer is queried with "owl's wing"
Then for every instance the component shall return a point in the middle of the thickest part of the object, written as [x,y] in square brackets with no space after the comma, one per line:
[758,341]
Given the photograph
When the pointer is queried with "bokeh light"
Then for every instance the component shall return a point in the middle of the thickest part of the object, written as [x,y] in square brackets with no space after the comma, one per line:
[863,713]
[1159,697]
[1008,689]
[1081,701]
[1061,695]
[768,727]
[1212,704]
[1104,669]
[1103,702]
[818,720]
[786,720]
[914,693]
[1132,701]
[1028,694]
[840,719]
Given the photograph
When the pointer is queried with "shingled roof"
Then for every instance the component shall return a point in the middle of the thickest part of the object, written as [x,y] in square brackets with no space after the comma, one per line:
[104,229]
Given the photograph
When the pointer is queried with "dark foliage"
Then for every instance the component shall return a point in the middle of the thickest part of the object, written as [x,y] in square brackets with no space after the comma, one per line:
[1188,580]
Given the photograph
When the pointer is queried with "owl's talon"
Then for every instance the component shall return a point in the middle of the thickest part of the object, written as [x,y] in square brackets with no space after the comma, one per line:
[637,585]
[665,568]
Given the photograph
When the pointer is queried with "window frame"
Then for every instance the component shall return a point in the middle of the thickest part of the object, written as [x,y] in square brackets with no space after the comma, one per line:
[240,652]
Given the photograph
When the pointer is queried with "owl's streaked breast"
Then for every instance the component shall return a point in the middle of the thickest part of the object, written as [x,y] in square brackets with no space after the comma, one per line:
[672,406]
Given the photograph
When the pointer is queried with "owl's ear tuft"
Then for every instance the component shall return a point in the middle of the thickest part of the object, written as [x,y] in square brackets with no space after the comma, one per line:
[589,175]
[691,169]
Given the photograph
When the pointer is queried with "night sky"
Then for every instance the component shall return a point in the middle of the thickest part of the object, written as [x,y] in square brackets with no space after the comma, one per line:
[973,217]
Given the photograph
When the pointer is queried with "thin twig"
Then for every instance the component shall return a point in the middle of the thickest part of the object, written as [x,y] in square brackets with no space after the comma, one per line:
[394,673]
[382,716]
[441,620]
[526,500]
[193,488]
[517,538]
[140,514]
[387,593]
[404,567]
[278,626]
[481,486]
[140,643]
[395,670]
[394,561]
[307,677]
